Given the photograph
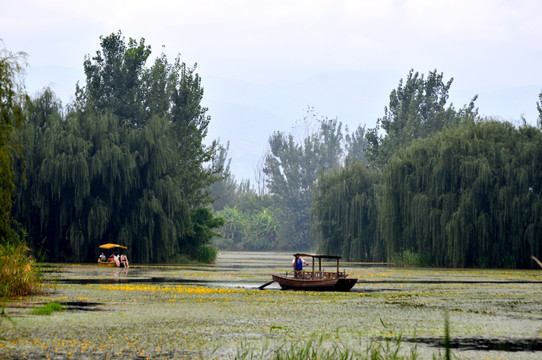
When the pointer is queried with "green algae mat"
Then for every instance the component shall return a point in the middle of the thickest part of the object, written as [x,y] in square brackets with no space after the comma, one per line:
[216,311]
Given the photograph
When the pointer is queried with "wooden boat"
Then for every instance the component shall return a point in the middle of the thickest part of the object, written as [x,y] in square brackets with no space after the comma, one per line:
[107,263]
[110,262]
[317,279]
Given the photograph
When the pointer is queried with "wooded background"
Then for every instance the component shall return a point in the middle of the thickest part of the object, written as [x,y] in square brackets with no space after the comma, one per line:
[128,162]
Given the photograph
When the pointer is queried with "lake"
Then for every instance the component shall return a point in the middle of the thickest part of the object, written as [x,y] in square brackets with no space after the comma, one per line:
[216,311]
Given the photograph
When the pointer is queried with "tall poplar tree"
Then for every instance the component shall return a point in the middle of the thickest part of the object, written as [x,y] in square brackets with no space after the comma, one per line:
[417,109]
[114,80]
[292,168]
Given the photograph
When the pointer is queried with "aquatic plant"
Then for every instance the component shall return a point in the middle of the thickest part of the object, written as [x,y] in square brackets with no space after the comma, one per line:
[215,312]
[48,308]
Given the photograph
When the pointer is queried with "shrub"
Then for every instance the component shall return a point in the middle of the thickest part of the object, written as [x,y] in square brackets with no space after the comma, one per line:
[408,258]
[207,254]
[19,273]
[180,259]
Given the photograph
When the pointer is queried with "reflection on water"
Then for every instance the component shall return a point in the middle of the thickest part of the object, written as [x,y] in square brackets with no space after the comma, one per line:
[232,269]
[483,344]
[246,270]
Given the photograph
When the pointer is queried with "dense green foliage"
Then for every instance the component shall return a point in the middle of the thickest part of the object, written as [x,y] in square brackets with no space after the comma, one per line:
[451,190]
[251,220]
[223,190]
[345,213]
[416,110]
[469,196]
[11,119]
[346,209]
[125,164]
[18,273]
[292,167]
[250,229]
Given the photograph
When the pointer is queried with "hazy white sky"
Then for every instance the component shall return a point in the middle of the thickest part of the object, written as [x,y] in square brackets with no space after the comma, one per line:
[263,63]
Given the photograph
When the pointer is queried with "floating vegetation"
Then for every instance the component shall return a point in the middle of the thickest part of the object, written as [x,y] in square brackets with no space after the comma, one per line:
[48,309]
[226,317]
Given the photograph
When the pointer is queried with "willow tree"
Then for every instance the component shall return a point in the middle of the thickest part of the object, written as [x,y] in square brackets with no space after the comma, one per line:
[344,213]
[18,274]
[57,172]
[468,196]
[11,119]
[166,135]
[125,164]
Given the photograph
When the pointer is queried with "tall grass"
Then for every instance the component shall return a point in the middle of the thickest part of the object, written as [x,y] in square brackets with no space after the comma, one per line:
[19,273]
[316,348]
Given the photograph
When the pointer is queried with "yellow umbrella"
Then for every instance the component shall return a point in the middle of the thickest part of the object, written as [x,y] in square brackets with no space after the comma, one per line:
[112,246]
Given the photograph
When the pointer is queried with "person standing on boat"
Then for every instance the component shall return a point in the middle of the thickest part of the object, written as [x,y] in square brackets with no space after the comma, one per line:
[298,263]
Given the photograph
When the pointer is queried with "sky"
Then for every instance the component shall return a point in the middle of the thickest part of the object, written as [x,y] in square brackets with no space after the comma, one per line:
[263,64]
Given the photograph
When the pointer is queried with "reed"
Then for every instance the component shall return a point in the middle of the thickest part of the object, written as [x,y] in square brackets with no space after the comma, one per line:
[19,273]
[317,348]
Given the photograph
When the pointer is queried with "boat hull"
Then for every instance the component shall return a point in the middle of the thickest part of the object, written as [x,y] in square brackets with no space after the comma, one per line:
[291,283]
[107,263]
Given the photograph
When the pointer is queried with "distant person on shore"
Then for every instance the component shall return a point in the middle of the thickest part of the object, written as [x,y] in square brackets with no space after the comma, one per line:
[124,261]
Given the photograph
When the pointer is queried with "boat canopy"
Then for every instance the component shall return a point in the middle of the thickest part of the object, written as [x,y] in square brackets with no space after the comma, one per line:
[112,246]
[318,256]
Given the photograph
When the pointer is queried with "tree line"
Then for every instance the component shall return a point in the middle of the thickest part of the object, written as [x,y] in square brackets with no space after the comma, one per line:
[443,187]
[124,163]
[428,185]
[278,217]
